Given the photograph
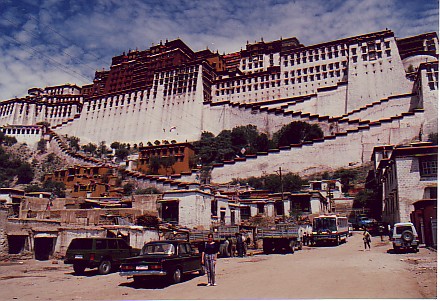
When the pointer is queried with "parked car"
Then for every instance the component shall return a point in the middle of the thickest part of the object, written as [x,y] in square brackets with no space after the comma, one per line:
[102,253]
[405,237]
[167,259]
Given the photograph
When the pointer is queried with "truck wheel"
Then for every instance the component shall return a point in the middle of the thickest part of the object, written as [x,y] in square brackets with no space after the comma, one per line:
[407,236]
[176,276]
[292,246]
[105,267]
[79,268]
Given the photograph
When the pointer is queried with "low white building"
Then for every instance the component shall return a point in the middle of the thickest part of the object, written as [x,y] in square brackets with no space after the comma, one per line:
[190,208]
[405,175]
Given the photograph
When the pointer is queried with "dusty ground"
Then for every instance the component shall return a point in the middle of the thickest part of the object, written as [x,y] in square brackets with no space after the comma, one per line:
[313,273]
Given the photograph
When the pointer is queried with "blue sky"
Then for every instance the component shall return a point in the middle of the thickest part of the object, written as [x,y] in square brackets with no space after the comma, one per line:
[52,42]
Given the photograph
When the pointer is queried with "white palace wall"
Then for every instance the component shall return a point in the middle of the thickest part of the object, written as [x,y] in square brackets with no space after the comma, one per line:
[372,77]
[342,151]
[142,117]
[393,107]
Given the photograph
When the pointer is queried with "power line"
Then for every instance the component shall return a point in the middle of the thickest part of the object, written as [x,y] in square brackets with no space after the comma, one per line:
[57,64]
[65,38]
[63,51]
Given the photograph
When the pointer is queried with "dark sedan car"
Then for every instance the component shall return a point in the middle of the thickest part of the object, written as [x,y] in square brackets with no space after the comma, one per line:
[168,259]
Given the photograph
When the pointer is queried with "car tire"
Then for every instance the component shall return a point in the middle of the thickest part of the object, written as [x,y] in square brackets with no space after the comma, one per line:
[396,249]
[407,236]
[105,267]
[176,276]
[79,268]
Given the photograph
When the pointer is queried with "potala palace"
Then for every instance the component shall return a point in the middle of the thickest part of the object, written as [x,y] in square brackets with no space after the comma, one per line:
[363,91]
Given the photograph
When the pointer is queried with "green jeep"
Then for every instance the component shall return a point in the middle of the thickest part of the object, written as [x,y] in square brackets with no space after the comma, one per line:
[102,253]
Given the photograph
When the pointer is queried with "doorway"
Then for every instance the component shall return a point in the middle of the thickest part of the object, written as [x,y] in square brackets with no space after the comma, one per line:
[16,243]
[44,247]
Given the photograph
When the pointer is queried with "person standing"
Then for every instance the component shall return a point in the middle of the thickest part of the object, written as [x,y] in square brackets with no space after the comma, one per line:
[381,232]
[240,244]
[367,239]
[209,259]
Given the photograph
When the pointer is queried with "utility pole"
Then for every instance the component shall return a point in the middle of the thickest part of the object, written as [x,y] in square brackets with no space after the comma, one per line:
[282,188]
[281,181]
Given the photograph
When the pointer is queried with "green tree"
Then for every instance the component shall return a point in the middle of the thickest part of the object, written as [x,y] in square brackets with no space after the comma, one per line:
[223,146]
[369,199]
[205,148]
[9,140]
[33,188]
[272,182]
[102,149]
[167,163]
[58,188]
[433,137]
[25,173]
[74,143]
[89,148]
[122,153]
[154,165]
[115,145]
[41,146]
[347,176]
[262,143]
[297,132]
[128,189]
[245,137]
[148,190]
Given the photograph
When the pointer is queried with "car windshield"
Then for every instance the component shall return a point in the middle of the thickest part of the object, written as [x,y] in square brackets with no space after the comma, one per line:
[323,224]
[400,229]
[161,248]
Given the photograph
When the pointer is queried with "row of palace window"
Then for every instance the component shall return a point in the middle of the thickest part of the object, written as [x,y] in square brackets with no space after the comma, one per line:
[6,110]
[316,69]
[249,80]
[116,100]
[21,131]
[248,88]
[164,152]
[301,77]
[331,52]
[191,71]
[59,91]
[63,99]
[173,91]
[313,58]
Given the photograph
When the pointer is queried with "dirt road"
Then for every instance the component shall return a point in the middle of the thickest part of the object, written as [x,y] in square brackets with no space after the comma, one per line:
[319,272]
